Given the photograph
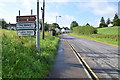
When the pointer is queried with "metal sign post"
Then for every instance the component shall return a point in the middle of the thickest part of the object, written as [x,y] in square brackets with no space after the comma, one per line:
[26,26]
[38,29]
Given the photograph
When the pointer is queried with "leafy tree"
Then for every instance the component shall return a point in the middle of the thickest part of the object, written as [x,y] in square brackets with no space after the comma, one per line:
[3,23]
[86,30]
[116,20]
[88,24]
[46,26]
[108,21]
[102,23]
[73,24]
[55,25]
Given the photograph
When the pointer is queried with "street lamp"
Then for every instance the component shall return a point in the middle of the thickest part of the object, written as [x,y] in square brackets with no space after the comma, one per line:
[56,18]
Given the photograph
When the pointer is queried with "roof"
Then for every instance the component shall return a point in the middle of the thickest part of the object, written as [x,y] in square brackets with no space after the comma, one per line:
[66,28]
[12,24]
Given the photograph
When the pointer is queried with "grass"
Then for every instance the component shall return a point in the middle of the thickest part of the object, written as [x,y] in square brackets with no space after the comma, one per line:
[20,59]
[106,40]
[106,35]
[108,31]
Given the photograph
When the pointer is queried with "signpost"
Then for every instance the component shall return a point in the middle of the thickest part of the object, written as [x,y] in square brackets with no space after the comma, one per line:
[26,26]
[26,33]
[30,18]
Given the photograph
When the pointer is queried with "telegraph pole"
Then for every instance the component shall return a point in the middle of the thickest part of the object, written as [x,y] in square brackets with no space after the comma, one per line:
[38,29]
[43,16]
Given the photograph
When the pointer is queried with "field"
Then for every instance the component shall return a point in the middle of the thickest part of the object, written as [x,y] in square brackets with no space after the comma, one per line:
[108,31]
[107,35]
[20,58]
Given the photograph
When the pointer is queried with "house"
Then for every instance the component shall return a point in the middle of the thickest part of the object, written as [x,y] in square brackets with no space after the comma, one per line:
[11,26]
[57,29]
[65,30]
[110,25]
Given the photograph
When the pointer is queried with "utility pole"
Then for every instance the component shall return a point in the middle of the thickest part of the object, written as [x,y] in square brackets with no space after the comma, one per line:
[43,16]
[38,29]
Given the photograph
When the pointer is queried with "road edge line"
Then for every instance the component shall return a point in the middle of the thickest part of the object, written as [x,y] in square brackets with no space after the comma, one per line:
[93,75]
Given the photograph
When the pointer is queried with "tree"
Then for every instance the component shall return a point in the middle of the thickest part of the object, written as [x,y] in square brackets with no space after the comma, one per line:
[108,21]
[3,23]
[55,25]
[46,26]
[116,20]
[102,23]
[88,24]
[73,24]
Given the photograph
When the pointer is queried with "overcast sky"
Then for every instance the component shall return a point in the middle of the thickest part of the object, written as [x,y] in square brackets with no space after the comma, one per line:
[82,11]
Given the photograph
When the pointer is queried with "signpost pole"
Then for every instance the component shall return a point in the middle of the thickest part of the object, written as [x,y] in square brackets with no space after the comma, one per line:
[31,11]
[19,12]
[38,29]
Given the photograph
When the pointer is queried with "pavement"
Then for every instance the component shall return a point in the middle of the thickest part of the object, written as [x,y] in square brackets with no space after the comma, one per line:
[66,64]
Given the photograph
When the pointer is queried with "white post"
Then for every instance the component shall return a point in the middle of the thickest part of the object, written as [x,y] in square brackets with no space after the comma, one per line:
[38,29]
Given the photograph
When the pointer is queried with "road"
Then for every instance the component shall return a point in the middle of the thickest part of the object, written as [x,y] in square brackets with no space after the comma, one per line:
[67,65]
[102,58]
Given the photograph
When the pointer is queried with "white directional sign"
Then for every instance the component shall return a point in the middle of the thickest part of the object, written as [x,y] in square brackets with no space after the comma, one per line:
[26,33]
[27,25]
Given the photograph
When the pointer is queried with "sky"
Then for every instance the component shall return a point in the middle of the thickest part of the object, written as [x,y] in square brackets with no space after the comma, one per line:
[81,11]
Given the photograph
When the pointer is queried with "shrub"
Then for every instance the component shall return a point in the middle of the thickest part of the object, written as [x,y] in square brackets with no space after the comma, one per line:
[85,30]
[76,29]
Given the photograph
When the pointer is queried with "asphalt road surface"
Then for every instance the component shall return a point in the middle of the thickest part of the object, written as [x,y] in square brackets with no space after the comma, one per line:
[67,65]
[102,58]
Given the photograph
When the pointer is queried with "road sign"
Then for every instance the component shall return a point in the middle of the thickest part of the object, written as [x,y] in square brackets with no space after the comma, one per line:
[25,25]
[30,18]
[26,33]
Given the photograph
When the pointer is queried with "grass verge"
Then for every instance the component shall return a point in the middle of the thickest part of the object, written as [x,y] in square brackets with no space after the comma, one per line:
[94,37]
[20,58]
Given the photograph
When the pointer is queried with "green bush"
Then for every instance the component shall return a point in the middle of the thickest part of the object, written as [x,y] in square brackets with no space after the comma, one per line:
[85,30]
[76,29]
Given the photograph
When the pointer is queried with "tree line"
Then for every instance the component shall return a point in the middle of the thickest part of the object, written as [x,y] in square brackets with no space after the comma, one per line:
[4,25]
[103,23]
[115,22]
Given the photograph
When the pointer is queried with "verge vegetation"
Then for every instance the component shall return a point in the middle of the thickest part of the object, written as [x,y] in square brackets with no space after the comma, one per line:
[107,34]
[20,59]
